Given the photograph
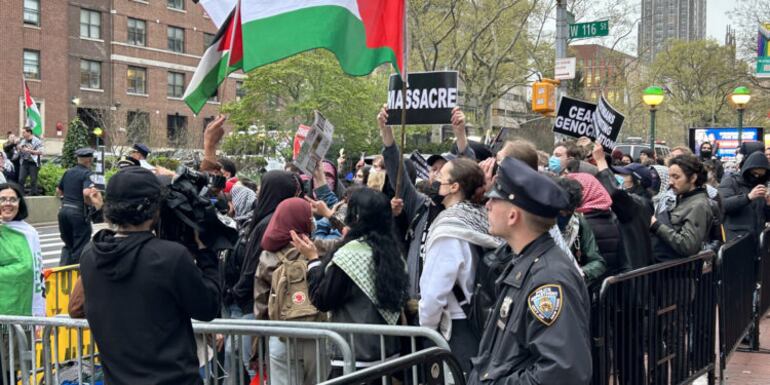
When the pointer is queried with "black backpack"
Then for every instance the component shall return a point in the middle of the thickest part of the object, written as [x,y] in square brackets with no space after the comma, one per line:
[490,264]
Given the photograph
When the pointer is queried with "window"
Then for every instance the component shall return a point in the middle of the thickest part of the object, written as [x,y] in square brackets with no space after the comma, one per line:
[137,32]
[239,91]
[90,24]
[176,4]
[90,74]
[208,38]
[31,64]
[32,12]
[137,80]
[175,84]
[176,39]
[176,125]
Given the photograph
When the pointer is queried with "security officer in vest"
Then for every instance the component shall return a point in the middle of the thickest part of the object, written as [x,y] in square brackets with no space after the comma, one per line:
[76,190]
[538,332]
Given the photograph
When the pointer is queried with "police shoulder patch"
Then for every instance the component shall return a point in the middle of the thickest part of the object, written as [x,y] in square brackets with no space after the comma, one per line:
[545,303]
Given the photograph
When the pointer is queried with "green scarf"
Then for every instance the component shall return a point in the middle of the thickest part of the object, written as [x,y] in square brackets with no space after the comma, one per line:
[355,259]
[17,278]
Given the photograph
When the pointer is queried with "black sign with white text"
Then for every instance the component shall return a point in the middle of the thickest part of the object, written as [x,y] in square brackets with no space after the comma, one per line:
[575,118]
[608,122]
[430,98]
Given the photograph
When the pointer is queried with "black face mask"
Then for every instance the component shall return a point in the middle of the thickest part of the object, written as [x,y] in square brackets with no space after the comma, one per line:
[706,154]
[434,195]
[754,181]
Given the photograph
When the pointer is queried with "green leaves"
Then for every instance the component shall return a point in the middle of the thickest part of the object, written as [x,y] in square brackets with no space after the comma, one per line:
[77,137]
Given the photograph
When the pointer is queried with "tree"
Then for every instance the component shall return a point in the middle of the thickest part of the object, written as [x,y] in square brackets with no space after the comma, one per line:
[77,137]
[282,95]
[698,77]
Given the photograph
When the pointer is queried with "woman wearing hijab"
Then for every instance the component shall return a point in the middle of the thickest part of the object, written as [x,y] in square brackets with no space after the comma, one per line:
[21,259]
[596,210]
[243,201]
[291,215]
[364,279]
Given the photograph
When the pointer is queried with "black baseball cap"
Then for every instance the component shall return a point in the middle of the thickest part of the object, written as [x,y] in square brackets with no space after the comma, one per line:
[133,185]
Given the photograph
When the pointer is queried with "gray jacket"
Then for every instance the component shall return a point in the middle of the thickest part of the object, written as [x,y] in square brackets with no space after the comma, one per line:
[685,229]
[744,216]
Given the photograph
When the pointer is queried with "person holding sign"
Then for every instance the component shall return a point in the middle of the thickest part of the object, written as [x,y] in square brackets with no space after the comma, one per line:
[420,209]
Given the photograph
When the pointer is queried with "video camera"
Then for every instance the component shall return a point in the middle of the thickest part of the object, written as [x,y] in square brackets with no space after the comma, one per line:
[185,210]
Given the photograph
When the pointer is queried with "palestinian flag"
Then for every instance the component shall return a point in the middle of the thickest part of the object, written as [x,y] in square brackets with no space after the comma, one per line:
[34,120]
[224,56]
[21,277]
[362,33]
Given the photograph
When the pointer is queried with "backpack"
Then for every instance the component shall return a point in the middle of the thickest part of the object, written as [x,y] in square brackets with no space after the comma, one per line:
[489,267]
[289,291]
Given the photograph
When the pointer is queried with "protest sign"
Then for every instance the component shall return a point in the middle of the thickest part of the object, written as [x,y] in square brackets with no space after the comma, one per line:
[420,165]
[316,144]
[430,98]
[575,118]
[607,123]
[299,138]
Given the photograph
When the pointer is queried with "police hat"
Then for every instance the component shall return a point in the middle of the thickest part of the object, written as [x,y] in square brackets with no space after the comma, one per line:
[638,171]
[84,152]
[526,188]
[142,149]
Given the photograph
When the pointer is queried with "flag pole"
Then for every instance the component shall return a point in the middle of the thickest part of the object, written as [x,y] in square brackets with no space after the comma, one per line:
[404,80]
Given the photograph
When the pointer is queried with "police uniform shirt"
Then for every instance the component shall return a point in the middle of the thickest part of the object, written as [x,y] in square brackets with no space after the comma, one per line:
[539,331]
[72,184]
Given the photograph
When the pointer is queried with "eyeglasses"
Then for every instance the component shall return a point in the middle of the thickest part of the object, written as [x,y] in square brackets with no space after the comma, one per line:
[9,200]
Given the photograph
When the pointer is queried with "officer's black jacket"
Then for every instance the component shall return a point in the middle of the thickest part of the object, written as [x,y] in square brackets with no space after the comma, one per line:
[517,347]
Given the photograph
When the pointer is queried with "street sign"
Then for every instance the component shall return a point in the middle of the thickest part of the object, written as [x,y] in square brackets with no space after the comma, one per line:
[565,68]
[590,29]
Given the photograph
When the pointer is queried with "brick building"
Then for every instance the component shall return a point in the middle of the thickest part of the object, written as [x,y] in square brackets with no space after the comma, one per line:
[607,71]
[122,65]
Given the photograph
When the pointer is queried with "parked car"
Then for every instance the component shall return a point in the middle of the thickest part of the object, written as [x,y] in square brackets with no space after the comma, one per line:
[634,147]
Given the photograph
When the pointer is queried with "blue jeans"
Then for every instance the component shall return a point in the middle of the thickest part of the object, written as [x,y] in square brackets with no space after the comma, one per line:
[235,312]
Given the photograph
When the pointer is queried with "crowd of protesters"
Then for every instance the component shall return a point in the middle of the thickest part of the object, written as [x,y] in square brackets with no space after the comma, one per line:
[383,248]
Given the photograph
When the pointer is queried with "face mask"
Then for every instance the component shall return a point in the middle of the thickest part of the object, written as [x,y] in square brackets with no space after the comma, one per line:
[554,164]
[754,181]
[434,194]
[620,180]
[706,154]
[562,221]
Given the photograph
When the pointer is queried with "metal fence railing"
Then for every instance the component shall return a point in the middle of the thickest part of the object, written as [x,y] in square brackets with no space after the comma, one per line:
[736,266]
[763,286]
[656,324]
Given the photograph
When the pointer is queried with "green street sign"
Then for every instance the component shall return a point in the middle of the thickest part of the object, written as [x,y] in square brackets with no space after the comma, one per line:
[590,29]
[763,67]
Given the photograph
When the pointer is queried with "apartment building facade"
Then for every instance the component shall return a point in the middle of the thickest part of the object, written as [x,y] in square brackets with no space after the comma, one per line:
[122,65]
[663,20]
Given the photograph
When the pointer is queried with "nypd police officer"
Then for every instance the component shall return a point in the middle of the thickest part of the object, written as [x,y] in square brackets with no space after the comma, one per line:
[539,330]
[76,190]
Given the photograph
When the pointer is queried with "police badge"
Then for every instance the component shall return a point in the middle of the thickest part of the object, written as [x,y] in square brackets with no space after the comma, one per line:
[545,303]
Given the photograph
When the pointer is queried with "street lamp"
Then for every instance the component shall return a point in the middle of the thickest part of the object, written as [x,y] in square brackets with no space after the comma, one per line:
[740,98]
[652,97]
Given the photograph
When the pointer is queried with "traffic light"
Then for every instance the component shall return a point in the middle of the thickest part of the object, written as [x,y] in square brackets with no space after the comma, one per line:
[544,96]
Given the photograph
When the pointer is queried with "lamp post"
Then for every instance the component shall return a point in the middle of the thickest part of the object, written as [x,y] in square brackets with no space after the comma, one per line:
[740,98]
[98,132]
[652,97]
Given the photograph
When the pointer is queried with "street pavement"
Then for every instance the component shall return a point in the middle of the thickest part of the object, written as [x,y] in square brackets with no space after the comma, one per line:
[51,243]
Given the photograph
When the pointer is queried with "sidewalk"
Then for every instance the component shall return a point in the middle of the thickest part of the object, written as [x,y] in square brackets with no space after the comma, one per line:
[752,368]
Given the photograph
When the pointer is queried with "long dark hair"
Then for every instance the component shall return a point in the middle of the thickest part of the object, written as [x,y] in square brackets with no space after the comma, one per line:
[370,220]
[22,213]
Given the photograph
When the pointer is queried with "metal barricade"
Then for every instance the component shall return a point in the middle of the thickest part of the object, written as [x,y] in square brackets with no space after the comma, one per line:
[86,363]
[736,269]
[656,324]
[763,286]
[433,359]
[415,338]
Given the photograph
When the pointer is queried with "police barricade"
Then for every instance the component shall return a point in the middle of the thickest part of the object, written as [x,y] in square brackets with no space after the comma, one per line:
[763,285]
[85,368]
[656,325]
[434,359]
[412,338]
[736,269]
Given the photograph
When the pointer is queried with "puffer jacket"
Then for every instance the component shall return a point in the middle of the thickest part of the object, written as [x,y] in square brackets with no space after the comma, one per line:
[609,239]
[684,230]
[744,216]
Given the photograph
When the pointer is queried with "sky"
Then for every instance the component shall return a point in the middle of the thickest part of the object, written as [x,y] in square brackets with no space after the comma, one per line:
[717,18]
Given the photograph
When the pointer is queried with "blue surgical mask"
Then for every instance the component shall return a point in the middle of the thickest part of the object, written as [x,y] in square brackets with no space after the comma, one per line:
[554,164]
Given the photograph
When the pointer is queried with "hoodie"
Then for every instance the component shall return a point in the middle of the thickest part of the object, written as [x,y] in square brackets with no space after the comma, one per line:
[744,216]
[140,294]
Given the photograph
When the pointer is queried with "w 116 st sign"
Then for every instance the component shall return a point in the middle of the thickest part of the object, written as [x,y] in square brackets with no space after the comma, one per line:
[590,29]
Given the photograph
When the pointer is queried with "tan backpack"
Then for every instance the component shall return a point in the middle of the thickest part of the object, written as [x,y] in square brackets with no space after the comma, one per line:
[289,291]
